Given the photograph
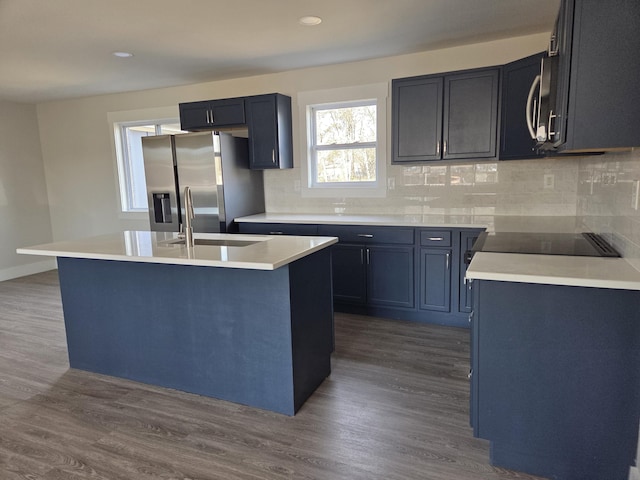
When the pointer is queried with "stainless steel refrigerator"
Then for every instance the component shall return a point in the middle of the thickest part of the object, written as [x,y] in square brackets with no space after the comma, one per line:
[215,166]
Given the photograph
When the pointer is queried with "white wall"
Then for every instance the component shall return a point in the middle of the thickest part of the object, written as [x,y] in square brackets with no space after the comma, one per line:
[76,141]
[24,211]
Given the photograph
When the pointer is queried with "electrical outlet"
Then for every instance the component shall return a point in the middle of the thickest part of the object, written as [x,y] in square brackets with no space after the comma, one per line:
[549,180]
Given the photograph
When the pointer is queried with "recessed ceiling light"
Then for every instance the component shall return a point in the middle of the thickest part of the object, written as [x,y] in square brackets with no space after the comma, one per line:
[122,54]
[309,21]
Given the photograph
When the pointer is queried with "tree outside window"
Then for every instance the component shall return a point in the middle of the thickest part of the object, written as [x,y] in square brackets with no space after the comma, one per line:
[344,143]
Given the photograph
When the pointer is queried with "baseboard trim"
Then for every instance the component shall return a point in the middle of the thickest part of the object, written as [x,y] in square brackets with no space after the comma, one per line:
[28,269]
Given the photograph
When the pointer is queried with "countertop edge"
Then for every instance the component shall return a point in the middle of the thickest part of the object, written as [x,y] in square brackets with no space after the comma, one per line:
[50,250]
[593,272]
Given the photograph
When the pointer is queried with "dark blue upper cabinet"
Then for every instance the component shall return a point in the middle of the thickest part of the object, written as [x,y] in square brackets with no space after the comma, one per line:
[267,117]
[516,143]
[445,117]
[270,133]
[417,119]
[470,122]
[598,45]
[210,114]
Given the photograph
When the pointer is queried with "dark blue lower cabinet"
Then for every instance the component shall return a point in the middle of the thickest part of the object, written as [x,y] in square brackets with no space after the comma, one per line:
[435,279]
[390,276]
[556,384]
[465,300]
[373,275]
[349,274]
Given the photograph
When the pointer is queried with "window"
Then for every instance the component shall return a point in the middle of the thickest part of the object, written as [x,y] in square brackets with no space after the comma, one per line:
[343,143]
[344,149]
[128,138]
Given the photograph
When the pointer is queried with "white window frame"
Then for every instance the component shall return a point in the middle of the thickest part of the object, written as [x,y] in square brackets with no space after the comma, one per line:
[116,120]
[315,148]
[334,98]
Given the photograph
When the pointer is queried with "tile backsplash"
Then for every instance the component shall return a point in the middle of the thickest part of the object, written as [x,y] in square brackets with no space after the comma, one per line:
[608,186]
[532,187]
[598,190]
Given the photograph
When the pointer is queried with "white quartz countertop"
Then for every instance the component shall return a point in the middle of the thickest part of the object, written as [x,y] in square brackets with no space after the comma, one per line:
[599,272]
[258,252]
[498,223]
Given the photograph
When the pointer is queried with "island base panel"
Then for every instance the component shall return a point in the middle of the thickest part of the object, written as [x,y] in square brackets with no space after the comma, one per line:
[246,336]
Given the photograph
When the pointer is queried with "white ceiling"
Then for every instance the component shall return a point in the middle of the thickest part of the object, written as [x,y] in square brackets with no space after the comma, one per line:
[55,49]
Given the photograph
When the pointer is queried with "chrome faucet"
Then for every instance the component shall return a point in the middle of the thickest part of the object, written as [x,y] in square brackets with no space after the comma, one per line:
[188,216]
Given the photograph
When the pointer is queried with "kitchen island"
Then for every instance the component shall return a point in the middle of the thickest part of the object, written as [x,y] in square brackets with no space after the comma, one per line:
[248,319]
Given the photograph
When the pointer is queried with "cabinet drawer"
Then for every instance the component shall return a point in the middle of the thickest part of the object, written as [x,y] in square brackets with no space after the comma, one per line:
[367,234]
[435,238]
[278,228]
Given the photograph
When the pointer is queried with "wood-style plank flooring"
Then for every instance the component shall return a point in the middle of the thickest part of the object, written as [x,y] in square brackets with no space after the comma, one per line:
[395,407]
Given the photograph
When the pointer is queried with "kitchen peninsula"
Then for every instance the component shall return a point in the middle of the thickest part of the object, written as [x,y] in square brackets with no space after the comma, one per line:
[248,319]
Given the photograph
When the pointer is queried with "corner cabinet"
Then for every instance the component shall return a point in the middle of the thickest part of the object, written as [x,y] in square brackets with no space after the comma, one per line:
[598,45]
[465,299]
[210,114]
[445,117]
[270,132]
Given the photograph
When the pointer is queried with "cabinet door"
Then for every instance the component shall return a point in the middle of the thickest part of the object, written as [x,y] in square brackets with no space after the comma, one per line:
[470,114]
[603,93]
[435,279]
[517,77]
[349,273]
[209,114]
[417,119]
[465,302]
[270,137]
[390,276]
[227,112]
[194,115]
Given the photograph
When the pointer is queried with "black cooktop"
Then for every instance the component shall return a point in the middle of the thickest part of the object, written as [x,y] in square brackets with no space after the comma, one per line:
[574,244]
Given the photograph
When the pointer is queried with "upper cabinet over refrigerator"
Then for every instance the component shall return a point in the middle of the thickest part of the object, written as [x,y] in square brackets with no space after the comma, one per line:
[266,117]
[589,92]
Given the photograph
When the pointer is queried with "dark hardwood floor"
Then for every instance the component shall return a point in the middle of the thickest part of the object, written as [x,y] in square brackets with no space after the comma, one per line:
[395,407]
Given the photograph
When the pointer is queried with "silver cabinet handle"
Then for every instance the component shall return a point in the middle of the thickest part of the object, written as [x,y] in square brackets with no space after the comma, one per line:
[276,233]
[273,155]
[530,111]
[438,148]
[208,120]
[551,133]
[362,256]
[436,239]
[471,316]
[470,374]
[365,235]
[448,255]
[444,148]
[368,257]
[553,45]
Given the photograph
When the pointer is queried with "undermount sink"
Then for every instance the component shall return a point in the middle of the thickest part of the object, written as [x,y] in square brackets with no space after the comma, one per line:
[213,242]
